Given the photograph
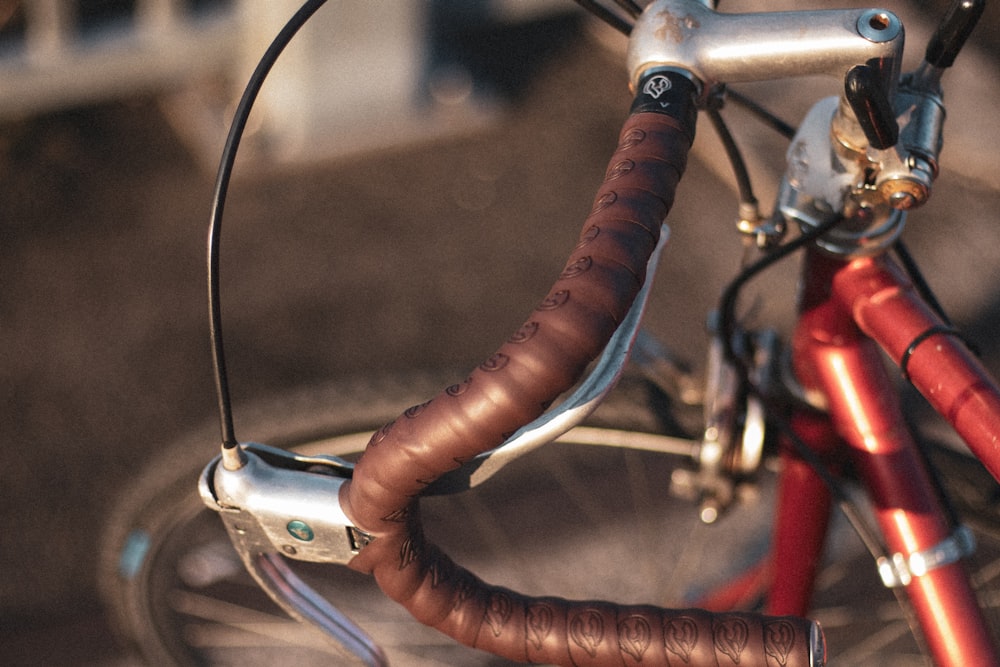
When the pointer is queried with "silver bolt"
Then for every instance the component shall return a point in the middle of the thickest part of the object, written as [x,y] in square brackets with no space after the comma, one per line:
[902,200]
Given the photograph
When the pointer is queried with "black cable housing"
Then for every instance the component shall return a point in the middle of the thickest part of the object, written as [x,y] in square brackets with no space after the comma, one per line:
[630,6]
[767,117]
[919,282]
[730,295]
[740,171]
[240,117]
[606,15]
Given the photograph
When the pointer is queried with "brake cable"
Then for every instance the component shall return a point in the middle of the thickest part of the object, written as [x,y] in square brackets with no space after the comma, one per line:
[606,15]
[240,117]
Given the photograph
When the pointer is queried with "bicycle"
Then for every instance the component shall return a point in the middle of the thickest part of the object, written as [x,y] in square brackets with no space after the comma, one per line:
[307,503]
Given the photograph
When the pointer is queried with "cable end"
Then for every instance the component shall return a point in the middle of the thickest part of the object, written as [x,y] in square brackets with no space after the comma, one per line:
[233,456]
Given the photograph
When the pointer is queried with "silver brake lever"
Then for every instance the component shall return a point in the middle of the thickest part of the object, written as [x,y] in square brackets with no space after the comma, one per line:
[274,502]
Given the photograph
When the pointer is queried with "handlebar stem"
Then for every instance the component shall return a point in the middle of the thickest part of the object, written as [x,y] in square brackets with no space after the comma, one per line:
[729,48]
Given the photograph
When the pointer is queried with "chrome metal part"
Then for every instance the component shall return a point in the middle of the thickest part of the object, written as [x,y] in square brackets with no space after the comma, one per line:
[899,569]
[269,511]
[283,510]
[293,460]
[577,407]
[729,48]
[723,395]
[817,646]
[927,77]
[300,601]
[766,369]
[823,183]
[662,367]
[763,232]
[878,25]
[233,457]
[908,170]
[647,442]
[732,445]
[711,482]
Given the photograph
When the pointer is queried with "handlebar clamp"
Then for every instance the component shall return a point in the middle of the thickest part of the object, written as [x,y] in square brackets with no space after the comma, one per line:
[275,501]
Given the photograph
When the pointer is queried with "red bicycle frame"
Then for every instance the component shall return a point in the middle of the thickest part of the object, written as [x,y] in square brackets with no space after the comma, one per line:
[848,310]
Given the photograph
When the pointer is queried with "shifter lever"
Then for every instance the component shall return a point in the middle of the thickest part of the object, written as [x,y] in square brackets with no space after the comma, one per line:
[953,31]
[872,107]
[947,41]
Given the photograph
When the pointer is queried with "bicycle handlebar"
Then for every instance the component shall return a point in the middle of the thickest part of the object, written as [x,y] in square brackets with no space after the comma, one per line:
[544,358]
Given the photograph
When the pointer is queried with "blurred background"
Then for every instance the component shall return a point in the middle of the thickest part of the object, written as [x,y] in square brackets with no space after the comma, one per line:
[410,183]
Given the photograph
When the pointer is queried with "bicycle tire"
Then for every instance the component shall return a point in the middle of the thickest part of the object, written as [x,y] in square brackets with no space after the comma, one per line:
[170,617]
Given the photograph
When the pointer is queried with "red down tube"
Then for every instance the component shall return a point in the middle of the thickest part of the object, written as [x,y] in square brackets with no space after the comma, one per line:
[847,308]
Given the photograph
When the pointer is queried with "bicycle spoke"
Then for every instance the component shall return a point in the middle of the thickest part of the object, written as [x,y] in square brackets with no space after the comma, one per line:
[222,612]
[873,645]
[258,635]
[233,626]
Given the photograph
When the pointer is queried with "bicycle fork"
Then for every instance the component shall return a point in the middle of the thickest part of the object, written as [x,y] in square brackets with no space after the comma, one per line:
[835,354]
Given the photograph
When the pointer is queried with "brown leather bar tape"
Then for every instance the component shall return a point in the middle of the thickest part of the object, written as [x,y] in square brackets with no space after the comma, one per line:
[544,358]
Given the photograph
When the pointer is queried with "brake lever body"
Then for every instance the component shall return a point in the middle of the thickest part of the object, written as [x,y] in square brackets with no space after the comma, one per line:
[279,504]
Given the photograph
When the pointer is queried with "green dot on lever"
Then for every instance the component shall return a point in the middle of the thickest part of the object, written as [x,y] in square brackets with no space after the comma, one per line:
[300,530]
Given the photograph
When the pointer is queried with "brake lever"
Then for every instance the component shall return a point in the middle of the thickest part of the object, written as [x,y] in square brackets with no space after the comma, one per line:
[277,504]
